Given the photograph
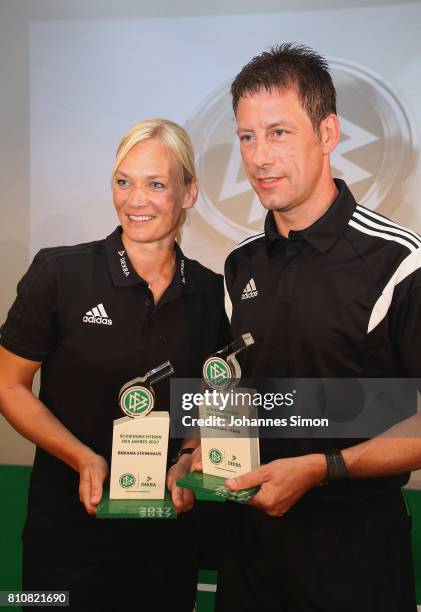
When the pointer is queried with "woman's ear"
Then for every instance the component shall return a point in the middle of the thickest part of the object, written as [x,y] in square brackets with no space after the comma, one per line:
[191,194]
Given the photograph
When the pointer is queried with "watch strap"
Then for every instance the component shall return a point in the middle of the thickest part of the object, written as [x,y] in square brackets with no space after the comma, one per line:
[183,451]
[336,468]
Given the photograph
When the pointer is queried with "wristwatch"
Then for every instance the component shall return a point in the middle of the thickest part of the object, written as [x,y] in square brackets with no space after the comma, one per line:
[183,451]
[336,468]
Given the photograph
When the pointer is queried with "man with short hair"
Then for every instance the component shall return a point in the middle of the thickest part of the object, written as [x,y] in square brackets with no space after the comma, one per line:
[337,295]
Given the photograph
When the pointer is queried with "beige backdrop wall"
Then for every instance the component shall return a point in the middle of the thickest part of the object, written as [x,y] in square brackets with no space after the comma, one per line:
[75,75]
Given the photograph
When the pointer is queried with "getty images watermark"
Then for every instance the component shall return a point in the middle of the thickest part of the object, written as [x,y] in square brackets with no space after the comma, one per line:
[305,407]
[222,409]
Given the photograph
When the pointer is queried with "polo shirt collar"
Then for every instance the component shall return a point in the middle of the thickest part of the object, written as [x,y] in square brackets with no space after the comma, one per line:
[324,232]
[184,271]
[124,275]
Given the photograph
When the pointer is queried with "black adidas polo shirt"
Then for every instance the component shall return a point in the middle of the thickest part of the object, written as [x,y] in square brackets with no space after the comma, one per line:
[339,299]
[86,314]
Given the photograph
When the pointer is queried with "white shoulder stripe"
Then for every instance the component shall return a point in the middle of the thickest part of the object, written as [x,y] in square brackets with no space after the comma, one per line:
[228,303]
[410,264]
[392,230]
[388,222]
[365,230]
[248,240]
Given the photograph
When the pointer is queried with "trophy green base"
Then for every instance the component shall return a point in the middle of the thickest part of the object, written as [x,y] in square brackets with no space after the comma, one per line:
[136,508]
[212,488]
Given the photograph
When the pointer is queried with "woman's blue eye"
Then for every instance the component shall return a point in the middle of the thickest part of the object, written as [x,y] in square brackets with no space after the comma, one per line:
[122,182]
[156,185]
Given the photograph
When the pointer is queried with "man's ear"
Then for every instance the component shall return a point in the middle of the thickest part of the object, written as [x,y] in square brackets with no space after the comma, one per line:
[330,132]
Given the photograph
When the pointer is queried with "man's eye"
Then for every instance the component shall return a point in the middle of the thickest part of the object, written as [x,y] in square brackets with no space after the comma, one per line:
[278,132]
[246,137]
[122,183]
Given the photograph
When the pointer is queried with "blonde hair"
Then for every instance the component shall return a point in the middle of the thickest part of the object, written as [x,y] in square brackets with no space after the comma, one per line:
[177,141]
[173,136]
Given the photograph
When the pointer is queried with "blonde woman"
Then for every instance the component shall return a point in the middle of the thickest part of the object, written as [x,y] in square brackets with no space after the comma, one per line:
[154,304]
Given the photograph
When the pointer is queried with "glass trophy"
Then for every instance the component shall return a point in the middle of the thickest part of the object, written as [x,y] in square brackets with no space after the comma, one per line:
[227,451]
[139,453]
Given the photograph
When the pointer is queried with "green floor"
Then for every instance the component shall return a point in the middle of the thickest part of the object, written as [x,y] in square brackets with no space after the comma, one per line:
[13,486]
[413,499]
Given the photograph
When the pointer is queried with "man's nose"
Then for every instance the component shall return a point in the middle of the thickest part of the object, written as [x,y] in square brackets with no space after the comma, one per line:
[262,153]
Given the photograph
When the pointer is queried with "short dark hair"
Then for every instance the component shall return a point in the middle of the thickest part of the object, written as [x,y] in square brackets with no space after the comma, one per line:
[288,66]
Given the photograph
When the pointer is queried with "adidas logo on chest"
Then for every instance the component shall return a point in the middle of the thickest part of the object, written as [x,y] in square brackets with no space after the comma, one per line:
[98,316]
[250,290]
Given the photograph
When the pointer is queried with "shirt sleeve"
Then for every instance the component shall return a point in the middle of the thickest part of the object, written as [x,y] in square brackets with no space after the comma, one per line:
[229,272]
[30,327]
[409,337]
[225,336]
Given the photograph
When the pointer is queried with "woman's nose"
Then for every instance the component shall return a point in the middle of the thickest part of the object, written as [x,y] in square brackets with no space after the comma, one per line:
[137,198]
